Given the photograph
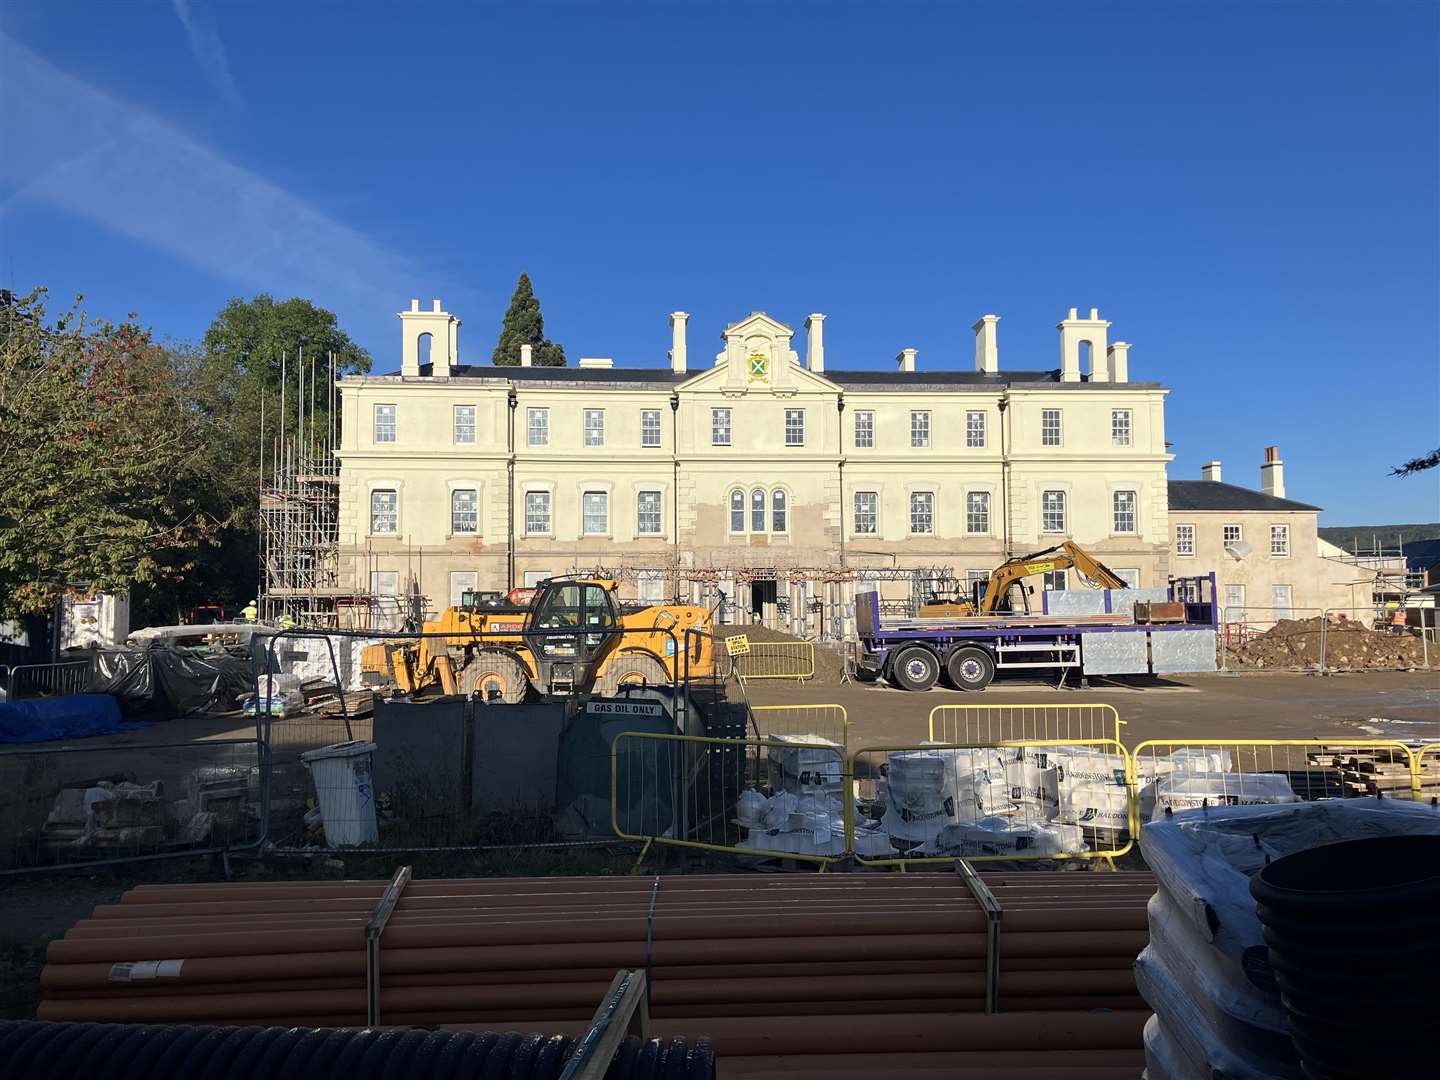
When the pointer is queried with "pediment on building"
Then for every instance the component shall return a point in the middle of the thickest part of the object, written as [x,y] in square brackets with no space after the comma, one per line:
[757,358]
[759,323]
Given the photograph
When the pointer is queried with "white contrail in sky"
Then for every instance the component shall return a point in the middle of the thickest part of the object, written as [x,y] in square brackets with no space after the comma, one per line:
[71,145]
[206,47]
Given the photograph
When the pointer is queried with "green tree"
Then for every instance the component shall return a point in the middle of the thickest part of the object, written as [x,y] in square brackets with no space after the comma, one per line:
[105,460]
[524,325]
[254,335]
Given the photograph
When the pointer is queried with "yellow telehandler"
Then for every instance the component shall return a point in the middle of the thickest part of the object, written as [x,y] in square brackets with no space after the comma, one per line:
[567,640]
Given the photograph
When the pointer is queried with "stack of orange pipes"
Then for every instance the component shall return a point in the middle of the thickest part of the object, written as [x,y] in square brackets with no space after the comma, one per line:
[765,965]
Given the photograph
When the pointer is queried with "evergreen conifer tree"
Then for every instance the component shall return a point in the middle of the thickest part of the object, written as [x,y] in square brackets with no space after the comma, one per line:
[524,325]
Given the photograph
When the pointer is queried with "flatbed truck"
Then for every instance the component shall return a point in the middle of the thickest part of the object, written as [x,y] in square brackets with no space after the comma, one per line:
[967,653]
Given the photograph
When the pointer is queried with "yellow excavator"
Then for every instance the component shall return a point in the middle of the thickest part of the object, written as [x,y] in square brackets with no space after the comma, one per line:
[992,597]
[567,640]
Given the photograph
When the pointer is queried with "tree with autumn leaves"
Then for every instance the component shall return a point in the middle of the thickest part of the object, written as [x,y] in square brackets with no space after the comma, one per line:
[106,462]
[131,464]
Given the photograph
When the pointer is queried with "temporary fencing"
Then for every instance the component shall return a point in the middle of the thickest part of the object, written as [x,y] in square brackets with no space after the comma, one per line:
[1018,800]
[988,724]
[82,806]
[808,965]
[48,680]
[1382,648]
[1242,625]
[830,722]
[1427,772]
[1174,775]
[772,659]
[782,797]
[401,772]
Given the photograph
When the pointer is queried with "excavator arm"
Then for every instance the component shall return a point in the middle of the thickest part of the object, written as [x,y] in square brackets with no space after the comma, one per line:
[1060,557]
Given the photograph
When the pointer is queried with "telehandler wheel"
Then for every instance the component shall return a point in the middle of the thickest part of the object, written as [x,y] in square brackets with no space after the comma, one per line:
[496,676]
[631,668]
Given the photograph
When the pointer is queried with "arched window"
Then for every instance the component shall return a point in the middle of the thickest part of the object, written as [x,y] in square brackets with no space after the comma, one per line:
[778,515]
[737,511]
[757,510]
[422,348]
[1086,358]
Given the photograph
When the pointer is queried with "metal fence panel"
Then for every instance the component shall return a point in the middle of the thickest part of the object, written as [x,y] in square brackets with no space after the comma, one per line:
[1183,774]
[988,724]
[830,722]
[1427,772]
[758,797]
[775,660]
[1023,800]
[1386,647]
[75,806]
[1295,645]
[48,680]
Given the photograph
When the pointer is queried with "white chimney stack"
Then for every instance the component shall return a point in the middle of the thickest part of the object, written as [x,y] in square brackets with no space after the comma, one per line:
[1074,331]
[438,331]
[906,360]
[987,345]
[678,319]
[1272,473]
[815,343]
[526,352]
[1120,361]
[1210,471]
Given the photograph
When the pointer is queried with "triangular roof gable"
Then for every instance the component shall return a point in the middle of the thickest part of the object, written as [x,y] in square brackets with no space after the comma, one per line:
[801,379]
[759,321]
[758,358]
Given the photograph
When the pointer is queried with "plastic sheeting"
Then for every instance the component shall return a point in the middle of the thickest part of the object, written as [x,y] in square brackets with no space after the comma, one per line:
[125,674]
[167,681]
[1204,859]
[69,717]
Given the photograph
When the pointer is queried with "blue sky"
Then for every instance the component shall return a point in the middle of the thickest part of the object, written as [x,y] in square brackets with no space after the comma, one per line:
[1249,191]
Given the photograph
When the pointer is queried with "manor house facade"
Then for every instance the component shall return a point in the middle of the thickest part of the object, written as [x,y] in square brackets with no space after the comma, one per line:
[758,475]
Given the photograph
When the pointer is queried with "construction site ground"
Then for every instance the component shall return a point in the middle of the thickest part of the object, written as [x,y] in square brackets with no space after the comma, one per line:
[1249,705]
[1275,705]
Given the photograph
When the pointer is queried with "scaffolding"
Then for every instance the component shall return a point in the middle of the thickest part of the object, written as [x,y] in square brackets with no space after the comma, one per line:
[809,601]
[300,497]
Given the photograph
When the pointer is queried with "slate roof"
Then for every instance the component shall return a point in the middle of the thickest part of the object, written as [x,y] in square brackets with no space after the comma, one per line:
[568,376]
[1214,495]
[894,381]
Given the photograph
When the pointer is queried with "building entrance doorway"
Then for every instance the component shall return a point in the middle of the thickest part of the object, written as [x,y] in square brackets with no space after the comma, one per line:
[762,593]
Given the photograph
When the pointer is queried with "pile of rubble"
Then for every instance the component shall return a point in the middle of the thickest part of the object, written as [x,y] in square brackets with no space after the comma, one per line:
[1349,646]
[218,804]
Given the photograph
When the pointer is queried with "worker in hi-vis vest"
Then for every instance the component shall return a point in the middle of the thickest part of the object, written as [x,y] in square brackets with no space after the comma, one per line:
[1397,619]
[251,611]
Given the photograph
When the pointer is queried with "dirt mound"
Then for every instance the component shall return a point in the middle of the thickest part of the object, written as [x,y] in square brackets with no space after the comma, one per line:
[829,659]
[1349,646]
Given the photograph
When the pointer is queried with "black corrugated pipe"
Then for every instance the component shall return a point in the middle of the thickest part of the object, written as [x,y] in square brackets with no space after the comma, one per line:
[182,1052]
[1353,933]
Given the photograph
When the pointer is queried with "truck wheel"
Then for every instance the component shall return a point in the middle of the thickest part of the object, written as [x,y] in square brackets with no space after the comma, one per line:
[915,669]
[495,676]
[631,668]
[970,668]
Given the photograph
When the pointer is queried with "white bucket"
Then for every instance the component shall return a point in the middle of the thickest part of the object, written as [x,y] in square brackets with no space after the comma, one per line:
[346,791]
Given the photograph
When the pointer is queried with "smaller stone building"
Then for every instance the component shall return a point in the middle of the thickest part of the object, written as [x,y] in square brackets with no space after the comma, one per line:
[1265,549]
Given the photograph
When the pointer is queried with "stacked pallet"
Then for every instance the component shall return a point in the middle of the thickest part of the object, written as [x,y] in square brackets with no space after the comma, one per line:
[767,966]
[1381,770]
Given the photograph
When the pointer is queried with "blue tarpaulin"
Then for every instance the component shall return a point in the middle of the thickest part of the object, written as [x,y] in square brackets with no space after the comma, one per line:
[69,717]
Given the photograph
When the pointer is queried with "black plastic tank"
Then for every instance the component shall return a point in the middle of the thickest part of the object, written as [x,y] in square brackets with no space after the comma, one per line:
[1353,932]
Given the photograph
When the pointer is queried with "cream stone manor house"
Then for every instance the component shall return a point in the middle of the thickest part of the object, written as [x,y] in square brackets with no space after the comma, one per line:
[758,475]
